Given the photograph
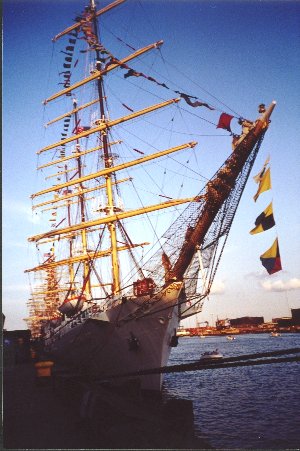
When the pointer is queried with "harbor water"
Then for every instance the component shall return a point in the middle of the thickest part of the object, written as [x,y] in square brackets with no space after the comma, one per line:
[243,407]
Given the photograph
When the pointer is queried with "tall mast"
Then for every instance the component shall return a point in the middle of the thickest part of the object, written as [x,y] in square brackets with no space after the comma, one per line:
[217,191]
[108,162]
[71,267]
[86,271]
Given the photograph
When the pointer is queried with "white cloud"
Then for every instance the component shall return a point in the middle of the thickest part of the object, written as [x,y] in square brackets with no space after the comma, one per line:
[281,285]
[218,287]
[259,275]
[256,275]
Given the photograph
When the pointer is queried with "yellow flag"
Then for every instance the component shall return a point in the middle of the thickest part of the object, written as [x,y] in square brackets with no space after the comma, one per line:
[264,221]
[264,184]
[257,178]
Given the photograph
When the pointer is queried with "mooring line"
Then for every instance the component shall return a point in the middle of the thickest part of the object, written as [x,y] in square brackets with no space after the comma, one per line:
[228,362]
[261,354]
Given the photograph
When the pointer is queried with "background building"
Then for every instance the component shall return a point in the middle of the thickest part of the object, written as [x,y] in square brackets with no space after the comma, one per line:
[296,316]
[247,321]
[283,322]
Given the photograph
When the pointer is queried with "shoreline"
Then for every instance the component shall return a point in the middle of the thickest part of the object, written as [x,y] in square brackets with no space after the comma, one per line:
[213,332]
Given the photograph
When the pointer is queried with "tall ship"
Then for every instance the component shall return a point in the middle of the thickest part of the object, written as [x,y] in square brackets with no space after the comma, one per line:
[130,233]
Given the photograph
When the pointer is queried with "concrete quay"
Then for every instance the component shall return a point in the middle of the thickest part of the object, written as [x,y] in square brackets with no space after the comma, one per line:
[65,412]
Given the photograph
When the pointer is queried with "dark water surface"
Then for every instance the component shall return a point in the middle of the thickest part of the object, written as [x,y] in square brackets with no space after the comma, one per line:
[243,407]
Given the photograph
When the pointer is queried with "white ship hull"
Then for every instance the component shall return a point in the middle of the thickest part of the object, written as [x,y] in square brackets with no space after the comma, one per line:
[122,339]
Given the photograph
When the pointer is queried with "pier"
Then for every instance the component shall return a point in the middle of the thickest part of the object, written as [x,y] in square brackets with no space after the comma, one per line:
[65,412]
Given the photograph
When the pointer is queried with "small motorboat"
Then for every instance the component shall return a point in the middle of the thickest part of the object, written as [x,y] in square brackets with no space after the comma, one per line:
[275,334]
[211,355]
[230,338]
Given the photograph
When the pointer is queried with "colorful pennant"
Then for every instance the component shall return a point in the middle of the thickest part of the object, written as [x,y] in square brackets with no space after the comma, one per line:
[271,258]
[224,121]
[257,178]
[264,221]
[264,184]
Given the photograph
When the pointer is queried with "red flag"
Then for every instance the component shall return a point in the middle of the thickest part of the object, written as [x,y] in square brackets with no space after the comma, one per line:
[81,129]
[224,121]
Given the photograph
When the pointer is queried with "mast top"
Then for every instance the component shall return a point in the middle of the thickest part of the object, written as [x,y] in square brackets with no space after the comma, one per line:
[98,13]
[267,113]
[264,118]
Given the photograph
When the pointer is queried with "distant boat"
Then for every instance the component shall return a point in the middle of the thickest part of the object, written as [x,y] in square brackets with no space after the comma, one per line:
[183,333]
[212,355]
[230,338]
[275,334]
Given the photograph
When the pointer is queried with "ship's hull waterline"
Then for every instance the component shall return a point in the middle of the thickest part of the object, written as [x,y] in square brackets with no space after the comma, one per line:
[122,339]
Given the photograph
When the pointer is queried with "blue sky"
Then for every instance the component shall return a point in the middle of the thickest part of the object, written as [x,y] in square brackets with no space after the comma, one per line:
[233,55]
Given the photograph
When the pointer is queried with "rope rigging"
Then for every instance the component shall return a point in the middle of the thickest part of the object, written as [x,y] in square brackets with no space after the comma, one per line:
[187,97]
[173,240]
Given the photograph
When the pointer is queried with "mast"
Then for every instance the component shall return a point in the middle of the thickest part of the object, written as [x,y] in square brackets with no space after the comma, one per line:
[98,13]
[217,191]
[108,172]
[108,163]
[86,272]
[71,268]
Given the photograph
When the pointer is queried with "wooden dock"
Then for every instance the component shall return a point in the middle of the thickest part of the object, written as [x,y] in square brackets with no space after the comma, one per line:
[65,412]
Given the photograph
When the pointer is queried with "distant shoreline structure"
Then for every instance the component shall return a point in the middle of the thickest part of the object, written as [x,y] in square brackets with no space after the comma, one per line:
[244,325]
[213,331]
